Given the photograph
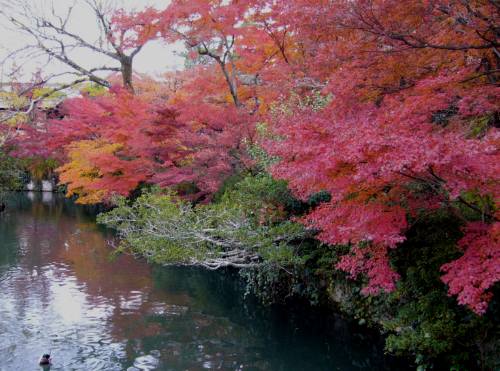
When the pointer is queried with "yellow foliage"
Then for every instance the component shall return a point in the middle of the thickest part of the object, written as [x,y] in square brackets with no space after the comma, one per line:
[81,170]
[12,100]
[37,93]
[94,90]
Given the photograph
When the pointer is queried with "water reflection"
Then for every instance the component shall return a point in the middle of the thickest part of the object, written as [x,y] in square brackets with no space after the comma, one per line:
[60,292]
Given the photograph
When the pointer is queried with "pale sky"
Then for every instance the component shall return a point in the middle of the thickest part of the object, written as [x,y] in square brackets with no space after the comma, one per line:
[155,58]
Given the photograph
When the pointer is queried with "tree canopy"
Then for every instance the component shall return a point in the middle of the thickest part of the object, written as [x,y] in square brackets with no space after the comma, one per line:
[390,107]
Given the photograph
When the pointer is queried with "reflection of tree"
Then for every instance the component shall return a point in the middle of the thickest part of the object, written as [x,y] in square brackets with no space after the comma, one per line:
[86,250]
[8,248]
[57,250]
[123,284]
[230,328]
[194,317]
[61,243]
[210,291]
[32,238]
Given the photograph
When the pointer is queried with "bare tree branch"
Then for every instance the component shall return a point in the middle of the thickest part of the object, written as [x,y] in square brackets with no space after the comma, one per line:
[53,36]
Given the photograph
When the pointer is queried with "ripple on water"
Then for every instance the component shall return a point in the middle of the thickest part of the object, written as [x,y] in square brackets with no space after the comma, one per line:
[146,363]
[167,310]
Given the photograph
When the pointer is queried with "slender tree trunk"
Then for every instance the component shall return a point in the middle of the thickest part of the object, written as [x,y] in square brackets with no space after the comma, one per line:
[126,70]
[231,84]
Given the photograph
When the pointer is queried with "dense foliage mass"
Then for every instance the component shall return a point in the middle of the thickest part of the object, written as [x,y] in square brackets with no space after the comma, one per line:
[346,151]
[11,174]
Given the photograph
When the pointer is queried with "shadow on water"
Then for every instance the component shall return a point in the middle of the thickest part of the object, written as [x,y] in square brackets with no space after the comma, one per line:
[62,293]
[288,338]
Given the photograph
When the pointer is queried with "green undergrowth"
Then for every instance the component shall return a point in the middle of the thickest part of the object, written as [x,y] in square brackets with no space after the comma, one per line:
[259,215]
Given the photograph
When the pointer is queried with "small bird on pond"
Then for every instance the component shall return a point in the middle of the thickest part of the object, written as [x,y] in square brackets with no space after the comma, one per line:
[2,207]
[45,360]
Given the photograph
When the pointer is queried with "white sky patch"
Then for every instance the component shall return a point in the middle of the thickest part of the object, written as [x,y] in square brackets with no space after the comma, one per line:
[154,59]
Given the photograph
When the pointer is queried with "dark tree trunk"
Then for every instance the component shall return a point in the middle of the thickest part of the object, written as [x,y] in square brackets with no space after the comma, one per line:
[126,70]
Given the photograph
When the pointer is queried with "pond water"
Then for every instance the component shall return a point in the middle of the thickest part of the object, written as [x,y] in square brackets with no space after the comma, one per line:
[61,292]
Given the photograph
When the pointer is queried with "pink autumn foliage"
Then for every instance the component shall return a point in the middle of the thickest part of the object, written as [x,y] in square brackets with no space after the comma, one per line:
[144,132]
[355,155]
[212,145]
[399,114]
[478,269]
[129,30]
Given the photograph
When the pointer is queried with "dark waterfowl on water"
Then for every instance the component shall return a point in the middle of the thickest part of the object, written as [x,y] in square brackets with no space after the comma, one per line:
[2,207]
[45,360]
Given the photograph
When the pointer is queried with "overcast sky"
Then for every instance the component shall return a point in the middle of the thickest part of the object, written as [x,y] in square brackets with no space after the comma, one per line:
[155,58]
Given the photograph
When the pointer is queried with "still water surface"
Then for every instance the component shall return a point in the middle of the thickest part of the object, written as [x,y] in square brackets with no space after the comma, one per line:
[60,292]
